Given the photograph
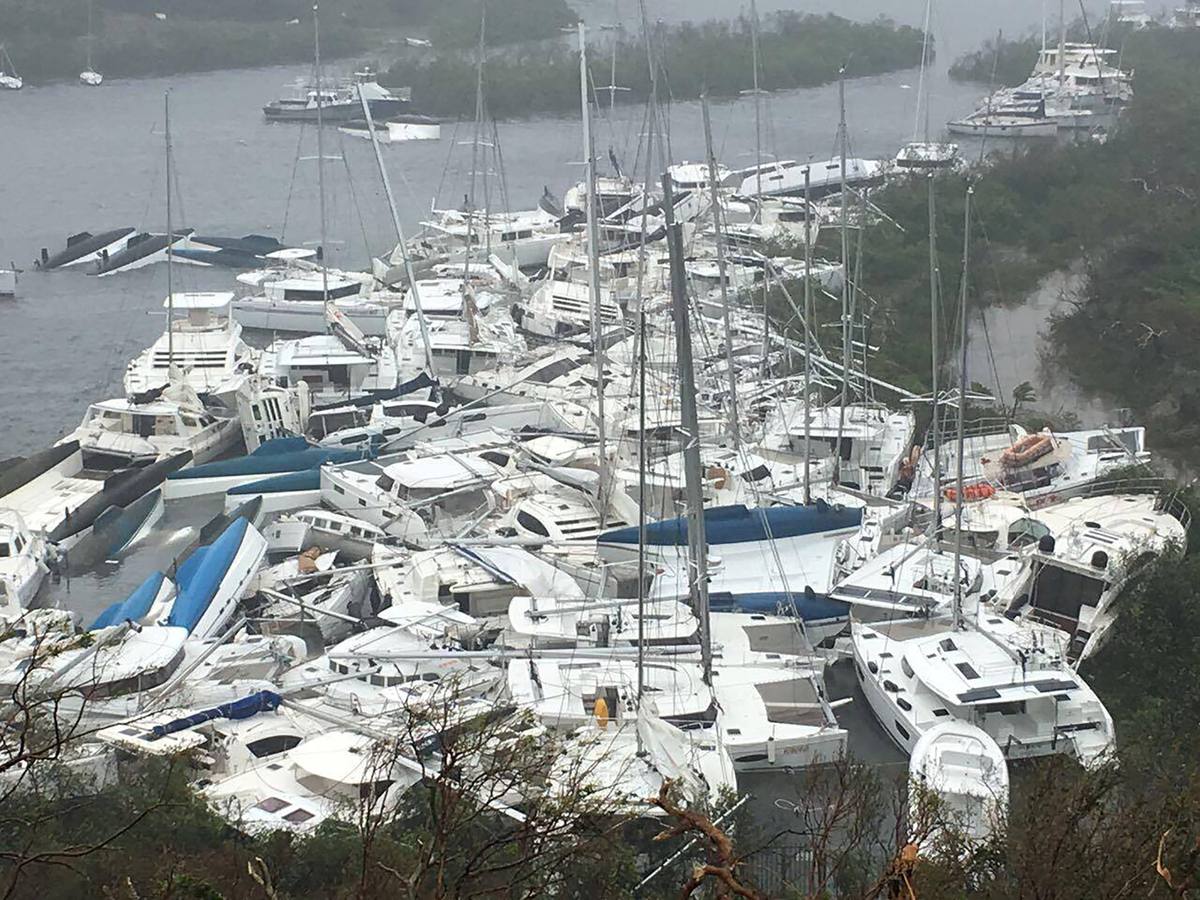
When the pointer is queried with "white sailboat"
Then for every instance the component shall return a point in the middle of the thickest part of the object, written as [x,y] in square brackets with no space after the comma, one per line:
[89,76]
[9,79]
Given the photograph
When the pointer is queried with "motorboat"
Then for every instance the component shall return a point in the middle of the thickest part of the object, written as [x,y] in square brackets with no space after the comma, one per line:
[523,238]
[125,433]
[202,349]
[339,102]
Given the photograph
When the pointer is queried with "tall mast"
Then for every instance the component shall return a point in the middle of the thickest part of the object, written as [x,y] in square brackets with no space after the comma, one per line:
[1062,43]
[475,144]
[757,102]
[808,324]
[401,243]
[934,362]
[962,406]
[652,121]
[721,270]
[697,541]
[593,246]
[921,78]
[845,229]
[89,39]
[320,147]
[170,241]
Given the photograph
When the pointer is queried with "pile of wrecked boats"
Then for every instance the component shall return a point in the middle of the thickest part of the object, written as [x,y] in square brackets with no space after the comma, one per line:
[556,468]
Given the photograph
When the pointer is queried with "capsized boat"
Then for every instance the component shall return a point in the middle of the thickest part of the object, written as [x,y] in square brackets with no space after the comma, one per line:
[142,249]
[85,247]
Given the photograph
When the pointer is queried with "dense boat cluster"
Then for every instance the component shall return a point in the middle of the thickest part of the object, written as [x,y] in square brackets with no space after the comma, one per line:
[559,469]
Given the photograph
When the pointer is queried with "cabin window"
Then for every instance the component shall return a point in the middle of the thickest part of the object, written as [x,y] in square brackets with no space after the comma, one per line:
[532,523]
[5,551]
[941,713]
[906,668]
[1015,708]
[903,704]
[353,439]
[269,746]
[495,457]
[968,671]
[947,645]
[1026,532]
[903,732]
[758,473]
[385,482]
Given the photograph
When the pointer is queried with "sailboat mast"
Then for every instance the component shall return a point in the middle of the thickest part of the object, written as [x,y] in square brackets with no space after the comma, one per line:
[697,541]
[320,147]
[921,78]
[757,102]
[845,229]
[934,361]
[962,406]
[721,270]
[401,243]
[1062,43]
[593,247]
[475,143]
[808,323]
[89,38]
[170,239]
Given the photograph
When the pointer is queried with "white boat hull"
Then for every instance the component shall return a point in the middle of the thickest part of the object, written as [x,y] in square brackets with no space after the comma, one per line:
[111,250]
[304,316]
[8,283]
[90,78]
[276,501]
[411,131]
[11,82]
[229,593]
[1031,129]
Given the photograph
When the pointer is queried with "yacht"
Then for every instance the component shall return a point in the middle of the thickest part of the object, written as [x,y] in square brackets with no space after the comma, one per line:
[295,302]
[126,433]
[22,564]
[339,102]
[333,371]
[202,349]
[1011,679]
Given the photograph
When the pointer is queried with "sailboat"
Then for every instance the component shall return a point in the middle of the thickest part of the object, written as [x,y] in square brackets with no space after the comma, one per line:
[9,79]
[922,154]
[89,76]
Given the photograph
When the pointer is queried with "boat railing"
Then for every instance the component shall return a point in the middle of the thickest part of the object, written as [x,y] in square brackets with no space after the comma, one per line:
[1170,498]
[974,428]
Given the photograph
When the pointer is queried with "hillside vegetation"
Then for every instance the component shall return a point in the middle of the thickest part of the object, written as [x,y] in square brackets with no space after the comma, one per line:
[795,50]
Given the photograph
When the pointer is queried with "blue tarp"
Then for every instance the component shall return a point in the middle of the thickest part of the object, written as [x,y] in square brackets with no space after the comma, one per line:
[262,701]
[133,607]
[738,524]
[198,579]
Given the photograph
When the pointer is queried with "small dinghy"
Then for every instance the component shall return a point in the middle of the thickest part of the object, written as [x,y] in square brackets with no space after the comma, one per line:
[958,788]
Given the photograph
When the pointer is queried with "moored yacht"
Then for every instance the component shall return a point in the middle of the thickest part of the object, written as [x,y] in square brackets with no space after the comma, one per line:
[202,349]
[339,102]
[22,564]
